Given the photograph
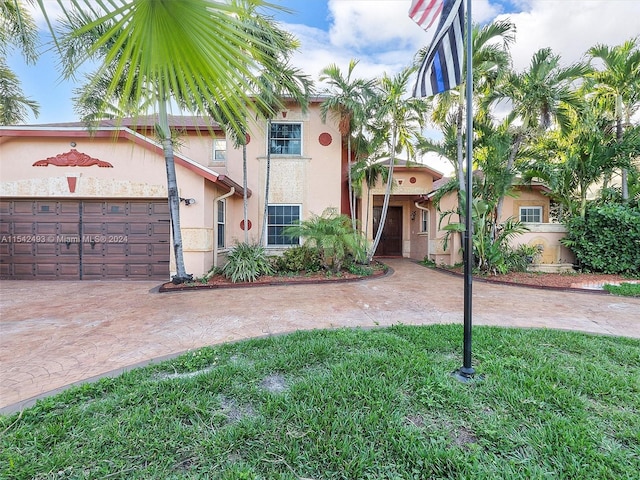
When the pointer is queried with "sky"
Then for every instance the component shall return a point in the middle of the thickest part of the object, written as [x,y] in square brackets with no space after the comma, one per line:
[382,37]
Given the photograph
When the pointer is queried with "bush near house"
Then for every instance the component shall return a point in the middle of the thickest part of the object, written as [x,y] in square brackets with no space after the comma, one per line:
[607,239]
[332,234]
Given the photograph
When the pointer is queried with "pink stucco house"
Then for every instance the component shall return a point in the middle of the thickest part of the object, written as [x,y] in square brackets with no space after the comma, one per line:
[76,204]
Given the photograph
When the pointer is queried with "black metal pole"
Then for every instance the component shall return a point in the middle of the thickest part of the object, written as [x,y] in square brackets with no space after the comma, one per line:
[467,372]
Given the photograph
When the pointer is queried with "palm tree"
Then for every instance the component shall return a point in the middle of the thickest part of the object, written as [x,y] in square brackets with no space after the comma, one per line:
[618,85]
[542,94]
[367,169]
[347,100]
[275,87]
[490,59]
[14,104]
[194,52]
[401,120]
[269,34]
[18,29]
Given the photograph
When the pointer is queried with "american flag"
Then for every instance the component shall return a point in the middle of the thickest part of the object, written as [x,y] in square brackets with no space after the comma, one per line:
[441,69]
[425,12]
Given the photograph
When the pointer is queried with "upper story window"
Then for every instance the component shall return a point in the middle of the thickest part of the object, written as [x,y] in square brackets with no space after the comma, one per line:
[531,214]
[285,139]
[219,150]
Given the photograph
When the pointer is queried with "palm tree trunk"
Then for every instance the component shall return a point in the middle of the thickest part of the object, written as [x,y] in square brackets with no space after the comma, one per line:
[387,196]
[181,275]
[352,211]
[625,186]
[462,184]
[510,162]
[263,235]
[245,199]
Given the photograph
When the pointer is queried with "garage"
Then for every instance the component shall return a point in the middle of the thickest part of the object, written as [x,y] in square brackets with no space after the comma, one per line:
[84,239]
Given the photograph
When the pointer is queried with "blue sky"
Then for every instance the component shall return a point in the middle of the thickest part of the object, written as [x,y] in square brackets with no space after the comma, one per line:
[381,36]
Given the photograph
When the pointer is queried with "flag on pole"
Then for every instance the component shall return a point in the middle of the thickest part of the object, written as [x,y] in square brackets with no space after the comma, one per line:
[441,69]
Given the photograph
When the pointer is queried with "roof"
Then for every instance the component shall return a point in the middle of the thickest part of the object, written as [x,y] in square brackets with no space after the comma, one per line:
[143,122]
[34,131]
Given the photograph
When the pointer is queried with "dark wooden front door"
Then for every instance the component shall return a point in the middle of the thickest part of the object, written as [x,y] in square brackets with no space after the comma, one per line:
[391,240]
[84,239]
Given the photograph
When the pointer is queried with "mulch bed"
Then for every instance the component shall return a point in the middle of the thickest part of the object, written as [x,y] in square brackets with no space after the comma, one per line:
[220,281]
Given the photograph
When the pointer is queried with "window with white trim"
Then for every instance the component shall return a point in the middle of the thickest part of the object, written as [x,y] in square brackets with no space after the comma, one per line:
[219,150]
[424,221]
[221,223]
[285,139]
[280,217]
[531,214]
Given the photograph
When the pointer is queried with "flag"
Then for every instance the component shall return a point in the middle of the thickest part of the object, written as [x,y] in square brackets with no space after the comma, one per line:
[425,12]
[441,69]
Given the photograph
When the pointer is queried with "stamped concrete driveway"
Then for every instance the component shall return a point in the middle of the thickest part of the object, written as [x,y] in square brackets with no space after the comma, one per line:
[54,334]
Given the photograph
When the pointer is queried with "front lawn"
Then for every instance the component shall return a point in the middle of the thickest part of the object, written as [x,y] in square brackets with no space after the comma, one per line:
[349,404]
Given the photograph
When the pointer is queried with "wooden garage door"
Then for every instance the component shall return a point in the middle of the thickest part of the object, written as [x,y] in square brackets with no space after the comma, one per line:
[84,240]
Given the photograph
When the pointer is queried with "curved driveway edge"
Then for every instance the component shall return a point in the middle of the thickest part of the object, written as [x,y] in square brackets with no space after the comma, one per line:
[55,334]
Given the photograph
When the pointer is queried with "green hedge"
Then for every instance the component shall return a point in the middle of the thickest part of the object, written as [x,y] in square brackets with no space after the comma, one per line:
[607,239]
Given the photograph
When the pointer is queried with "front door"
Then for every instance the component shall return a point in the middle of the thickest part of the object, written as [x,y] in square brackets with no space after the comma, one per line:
[391,240]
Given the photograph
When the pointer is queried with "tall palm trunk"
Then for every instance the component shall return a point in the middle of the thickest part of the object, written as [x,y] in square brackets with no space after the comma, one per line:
[510,162]
[245,199]
[352,211]
[387,196]
[181,275]
[625,186]
[462,184]
[264,235]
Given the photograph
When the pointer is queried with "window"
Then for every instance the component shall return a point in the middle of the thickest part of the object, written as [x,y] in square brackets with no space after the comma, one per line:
[281,216]
[220,222]
[285,139]
[219,150]
[531,214]
[424,221]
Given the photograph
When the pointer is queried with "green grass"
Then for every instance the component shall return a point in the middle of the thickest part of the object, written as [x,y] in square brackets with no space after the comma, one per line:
[349,404]
[624,289]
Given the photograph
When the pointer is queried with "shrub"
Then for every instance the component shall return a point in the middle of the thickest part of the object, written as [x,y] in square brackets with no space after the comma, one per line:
[519,259]
[245,263]
[607,239]
[301,258]
[333,236]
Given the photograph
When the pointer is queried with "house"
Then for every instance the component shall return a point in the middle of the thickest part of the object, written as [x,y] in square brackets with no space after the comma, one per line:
[528,204]
[79,204]
[76,204]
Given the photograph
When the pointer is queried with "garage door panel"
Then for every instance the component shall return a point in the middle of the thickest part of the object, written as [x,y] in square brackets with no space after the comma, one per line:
[85,239]
[67,270]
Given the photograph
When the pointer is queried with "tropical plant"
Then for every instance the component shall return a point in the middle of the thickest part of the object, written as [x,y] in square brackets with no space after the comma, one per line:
[334,238]
[491,253]
[280,83]
[399,120]
[267,33]
[347,99]
[246,263]
[490,60]
[17,29]
[542,94]
[617,85]
[194,52]
[571,161]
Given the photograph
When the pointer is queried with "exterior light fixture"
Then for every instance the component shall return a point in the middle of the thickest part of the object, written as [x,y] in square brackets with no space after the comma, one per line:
[188,201]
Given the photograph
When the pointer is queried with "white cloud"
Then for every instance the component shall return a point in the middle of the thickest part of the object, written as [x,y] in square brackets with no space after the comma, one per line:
[570,27]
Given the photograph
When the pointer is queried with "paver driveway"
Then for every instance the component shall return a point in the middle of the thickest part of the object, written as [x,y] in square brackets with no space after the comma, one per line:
[54,334]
